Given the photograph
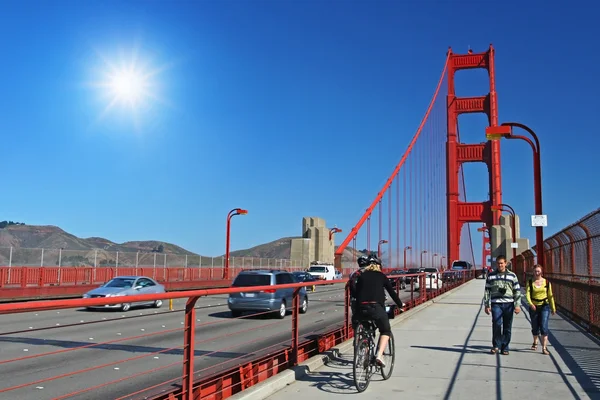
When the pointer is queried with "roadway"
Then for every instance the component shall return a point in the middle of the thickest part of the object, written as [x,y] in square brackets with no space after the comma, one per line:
[221,343]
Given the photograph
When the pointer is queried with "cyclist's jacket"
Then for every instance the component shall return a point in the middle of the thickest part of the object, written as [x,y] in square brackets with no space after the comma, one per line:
[352,283]
[368,289]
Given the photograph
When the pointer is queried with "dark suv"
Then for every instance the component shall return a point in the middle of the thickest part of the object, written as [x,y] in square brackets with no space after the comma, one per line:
[277,300]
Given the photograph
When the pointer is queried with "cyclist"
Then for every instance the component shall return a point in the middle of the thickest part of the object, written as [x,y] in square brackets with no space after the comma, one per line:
[363,262]
[370,301]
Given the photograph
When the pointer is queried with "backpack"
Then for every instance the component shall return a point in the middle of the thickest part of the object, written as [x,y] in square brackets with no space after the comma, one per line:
[531,290]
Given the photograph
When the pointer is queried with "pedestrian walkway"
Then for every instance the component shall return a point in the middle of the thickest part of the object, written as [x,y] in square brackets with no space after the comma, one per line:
[442,352]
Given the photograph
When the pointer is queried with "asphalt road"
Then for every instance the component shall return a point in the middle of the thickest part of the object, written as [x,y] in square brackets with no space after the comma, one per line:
[221,342]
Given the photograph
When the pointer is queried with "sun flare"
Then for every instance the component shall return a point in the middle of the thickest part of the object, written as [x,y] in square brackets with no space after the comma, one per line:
[129,85]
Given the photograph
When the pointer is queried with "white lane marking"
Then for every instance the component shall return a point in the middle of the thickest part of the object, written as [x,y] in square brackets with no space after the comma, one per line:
[81,321]
[118,333]
[91,338]
[156,357]
[57,324]
[39,387]
[31,327]
[25,349]
[164,326]
[116,368]
[142,329]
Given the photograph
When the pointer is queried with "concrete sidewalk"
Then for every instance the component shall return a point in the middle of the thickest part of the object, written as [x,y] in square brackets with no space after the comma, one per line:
[442,351]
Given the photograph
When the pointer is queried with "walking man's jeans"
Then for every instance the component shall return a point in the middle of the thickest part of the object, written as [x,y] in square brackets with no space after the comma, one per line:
[502,318]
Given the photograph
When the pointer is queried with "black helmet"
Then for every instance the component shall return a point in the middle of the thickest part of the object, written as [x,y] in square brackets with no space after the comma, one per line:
[363,261]
[374,260]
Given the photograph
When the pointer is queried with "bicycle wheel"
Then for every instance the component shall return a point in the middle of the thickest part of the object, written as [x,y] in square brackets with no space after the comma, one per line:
[357,333]
[389,356]
[362,364]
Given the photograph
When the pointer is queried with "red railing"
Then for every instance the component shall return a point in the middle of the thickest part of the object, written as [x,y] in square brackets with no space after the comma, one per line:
[573,266]
[63,282]
[218,356]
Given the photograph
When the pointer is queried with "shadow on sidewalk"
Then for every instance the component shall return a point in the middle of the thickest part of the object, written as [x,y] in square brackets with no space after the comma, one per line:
[579,350]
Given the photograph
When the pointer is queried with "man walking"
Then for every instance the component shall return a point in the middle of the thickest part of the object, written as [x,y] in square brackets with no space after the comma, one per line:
[502,297]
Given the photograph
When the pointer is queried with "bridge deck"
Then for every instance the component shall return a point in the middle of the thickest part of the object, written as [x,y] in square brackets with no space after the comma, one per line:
[443,352]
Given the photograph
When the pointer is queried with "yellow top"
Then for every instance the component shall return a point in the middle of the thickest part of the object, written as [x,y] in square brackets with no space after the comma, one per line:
[539,294]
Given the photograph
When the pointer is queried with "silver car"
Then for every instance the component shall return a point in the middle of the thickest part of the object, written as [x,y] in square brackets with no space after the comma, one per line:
[127,286]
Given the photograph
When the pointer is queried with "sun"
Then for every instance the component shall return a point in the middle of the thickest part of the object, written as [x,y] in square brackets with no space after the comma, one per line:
[129,84]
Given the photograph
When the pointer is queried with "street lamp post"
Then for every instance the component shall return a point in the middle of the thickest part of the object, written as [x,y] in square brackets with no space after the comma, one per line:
[332,231]
[433,256]
[232,213]
[382,241]
[422,252]
[511,211]
[505,130]
[406,248]
[442,258]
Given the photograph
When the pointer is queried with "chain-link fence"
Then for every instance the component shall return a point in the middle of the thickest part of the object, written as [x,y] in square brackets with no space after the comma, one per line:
[572,258]
[38,257]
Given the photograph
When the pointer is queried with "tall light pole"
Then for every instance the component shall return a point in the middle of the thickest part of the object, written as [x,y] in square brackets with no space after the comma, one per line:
[232,213]
[382,241]
[406,248]
[511,211]
[433,256]
[442,262]
[332,231]
[423,252]
[506,130]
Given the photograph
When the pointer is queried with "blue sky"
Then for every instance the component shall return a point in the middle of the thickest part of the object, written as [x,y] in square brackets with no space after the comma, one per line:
[253,96]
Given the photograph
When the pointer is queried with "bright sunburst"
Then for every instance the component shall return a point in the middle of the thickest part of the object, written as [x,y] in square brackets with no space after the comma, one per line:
[128,84]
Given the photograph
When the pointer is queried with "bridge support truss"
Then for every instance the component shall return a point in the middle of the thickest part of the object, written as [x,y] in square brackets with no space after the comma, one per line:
[457,153]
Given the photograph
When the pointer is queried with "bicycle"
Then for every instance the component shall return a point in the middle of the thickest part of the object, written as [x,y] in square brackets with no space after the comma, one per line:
[365,351]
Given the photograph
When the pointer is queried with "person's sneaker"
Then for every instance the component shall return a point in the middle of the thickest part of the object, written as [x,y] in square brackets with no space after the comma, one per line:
[380,362]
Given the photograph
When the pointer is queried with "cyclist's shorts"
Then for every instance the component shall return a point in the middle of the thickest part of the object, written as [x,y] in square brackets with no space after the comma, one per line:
[377,314]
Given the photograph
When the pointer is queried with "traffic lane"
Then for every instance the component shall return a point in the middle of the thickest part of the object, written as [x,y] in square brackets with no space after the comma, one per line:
[212,338]
[50,319]
[213,347]
[38,342]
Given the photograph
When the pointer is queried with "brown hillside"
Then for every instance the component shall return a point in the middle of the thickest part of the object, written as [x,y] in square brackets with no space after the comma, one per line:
[280,248]
[28,240]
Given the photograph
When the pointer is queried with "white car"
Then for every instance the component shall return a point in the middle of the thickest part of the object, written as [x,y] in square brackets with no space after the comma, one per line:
[433,279]
[322,272]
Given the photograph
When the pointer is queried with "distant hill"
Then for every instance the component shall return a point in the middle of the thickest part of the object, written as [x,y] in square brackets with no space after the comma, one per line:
[281,248]
[28,240]
[24,239]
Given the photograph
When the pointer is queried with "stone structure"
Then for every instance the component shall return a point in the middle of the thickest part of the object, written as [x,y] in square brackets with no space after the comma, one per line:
[314,243]
[501,239]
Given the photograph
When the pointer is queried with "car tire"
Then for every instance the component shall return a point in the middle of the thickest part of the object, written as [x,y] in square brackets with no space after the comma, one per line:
[282,310]
[157,304]
[304,305]
[125,307]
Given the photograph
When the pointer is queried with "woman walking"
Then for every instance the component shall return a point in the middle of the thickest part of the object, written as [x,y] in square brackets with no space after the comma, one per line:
[541,304]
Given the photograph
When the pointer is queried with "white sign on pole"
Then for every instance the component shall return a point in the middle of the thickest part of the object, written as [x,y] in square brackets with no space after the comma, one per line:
[539,220]
[514,245]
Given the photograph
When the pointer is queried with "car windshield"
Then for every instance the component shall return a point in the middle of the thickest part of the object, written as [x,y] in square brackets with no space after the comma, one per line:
[413,270]
[317,269]
[431,270]
[120,283]
[252,280]
[460,265]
